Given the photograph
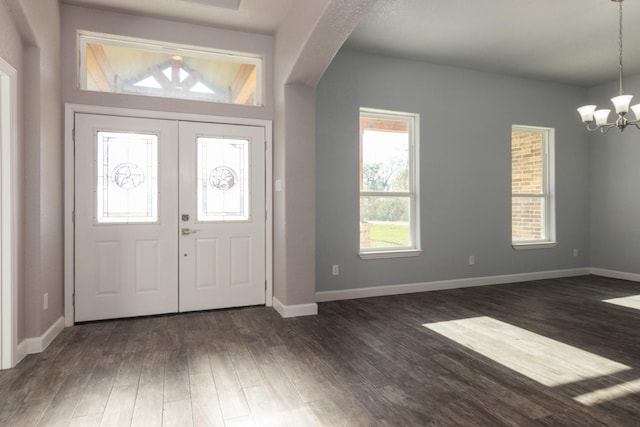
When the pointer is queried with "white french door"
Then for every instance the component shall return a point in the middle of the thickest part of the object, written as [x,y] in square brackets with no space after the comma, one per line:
[169,216]
[126,195]
[222,216]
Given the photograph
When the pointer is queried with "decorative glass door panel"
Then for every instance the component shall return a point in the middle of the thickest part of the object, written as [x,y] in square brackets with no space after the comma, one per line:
[223,191]
[127,177]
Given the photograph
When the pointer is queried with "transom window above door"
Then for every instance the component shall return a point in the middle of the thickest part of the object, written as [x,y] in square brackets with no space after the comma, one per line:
[152,68]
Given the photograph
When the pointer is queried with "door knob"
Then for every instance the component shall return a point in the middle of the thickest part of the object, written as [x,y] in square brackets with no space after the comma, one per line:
[187,231]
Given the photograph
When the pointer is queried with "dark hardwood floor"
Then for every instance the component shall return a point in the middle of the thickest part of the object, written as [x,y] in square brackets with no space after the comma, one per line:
[367,362]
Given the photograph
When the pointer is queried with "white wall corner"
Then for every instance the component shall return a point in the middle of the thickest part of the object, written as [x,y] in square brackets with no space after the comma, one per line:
[39,344]
[21,351]
[377,291]
[298,310]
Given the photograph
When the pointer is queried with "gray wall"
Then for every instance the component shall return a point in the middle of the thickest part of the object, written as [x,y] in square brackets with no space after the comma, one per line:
[465,132]
[615,188]
[39,165]
[44,168]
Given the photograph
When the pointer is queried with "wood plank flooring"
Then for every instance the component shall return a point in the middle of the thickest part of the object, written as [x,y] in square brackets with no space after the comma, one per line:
[367,362]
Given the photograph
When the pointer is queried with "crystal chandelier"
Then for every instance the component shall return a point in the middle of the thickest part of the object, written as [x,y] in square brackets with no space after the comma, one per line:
[598,119]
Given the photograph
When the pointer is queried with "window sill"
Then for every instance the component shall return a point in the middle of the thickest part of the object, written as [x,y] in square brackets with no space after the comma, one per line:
[539,245]
[391,254]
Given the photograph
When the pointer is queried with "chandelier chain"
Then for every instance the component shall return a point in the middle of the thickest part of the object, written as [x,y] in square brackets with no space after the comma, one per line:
[620,91]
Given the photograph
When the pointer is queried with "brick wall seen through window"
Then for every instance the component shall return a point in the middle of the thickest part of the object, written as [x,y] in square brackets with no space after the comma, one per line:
[530,185]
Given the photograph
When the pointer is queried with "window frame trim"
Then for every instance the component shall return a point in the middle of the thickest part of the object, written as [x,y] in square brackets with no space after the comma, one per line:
[548,195]
[413,124]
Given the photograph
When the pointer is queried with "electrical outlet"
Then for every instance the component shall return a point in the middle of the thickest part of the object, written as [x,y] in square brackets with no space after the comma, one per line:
[45,301]
[335,270]
[472,259]
[575,252]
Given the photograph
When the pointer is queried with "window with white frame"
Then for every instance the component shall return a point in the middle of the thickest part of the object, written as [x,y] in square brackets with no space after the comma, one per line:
[532,187]
[389,197]
[116,64]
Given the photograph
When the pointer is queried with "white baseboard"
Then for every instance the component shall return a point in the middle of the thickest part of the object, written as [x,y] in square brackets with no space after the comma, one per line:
[39,344]
[295,310]
[634,277]
[377,291]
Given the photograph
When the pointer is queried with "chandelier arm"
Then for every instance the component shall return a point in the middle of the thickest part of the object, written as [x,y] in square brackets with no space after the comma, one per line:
[592,129]
[592,126]
[605,129]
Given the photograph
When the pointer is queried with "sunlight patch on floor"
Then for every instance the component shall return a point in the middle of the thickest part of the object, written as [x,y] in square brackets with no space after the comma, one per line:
[609,393]
[632,301]
[542,359]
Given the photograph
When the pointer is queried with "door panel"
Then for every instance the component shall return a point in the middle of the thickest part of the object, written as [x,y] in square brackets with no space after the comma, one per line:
[125,217]
[222,206]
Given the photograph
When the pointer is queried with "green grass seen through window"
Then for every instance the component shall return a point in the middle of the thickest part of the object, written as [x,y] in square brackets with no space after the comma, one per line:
[388,235]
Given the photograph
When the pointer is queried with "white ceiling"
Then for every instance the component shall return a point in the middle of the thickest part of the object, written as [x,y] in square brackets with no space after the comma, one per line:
[568,41]
[257,16]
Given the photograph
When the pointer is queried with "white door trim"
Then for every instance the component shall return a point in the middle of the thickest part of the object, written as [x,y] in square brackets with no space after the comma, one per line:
[9,294]
[69,179]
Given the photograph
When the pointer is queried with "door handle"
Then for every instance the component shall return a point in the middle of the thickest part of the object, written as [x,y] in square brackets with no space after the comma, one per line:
[187,231]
